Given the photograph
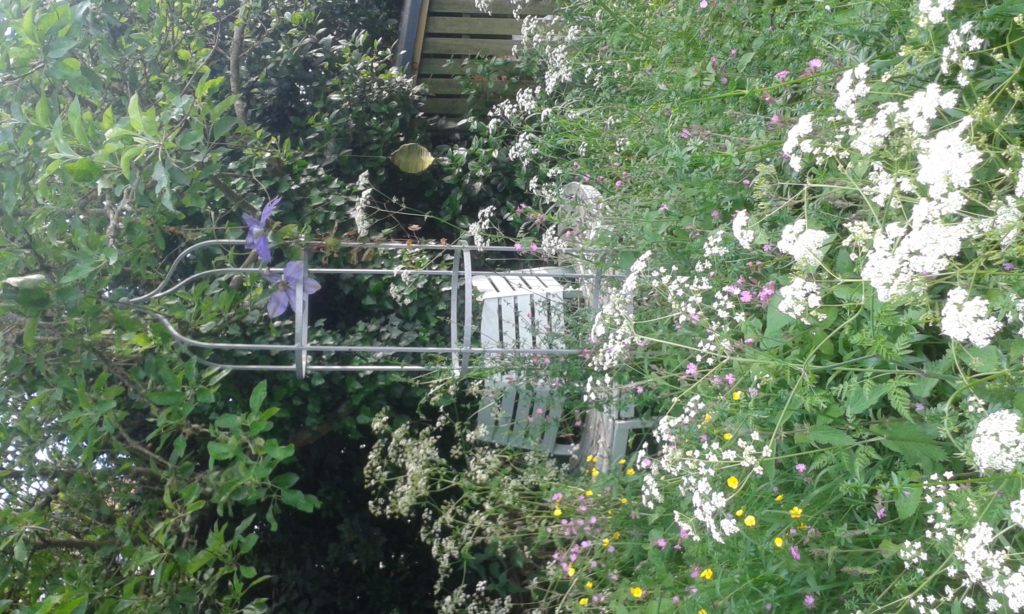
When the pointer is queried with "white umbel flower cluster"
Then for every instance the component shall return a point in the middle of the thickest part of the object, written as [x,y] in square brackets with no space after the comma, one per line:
[796,143]
[932,12]
[744,236]
[968,320]
[852,86]
[360,211]
[802,243]
[800,300]
[998,444]
[1017,510]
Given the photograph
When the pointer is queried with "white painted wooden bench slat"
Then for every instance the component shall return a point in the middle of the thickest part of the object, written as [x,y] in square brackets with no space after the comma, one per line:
[526,310]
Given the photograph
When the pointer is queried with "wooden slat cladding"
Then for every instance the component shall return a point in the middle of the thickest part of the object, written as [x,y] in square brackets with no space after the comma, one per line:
[473,26]
[441,66]
[494,47]
[498,7]
[446,106]
[443,86]
[456,29]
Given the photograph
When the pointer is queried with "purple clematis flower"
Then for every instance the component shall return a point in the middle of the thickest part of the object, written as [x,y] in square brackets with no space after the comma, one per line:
[286,283]
[257,238]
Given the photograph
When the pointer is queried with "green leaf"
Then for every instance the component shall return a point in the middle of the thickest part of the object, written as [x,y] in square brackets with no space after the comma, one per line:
[984,360]
[43,112]
[829,435]
[84,170]
[412,158]
[922,386]
[909,496]
[200,560]
[220,450]
[912,441]
[166,398]
[259,393]
[80,271]
[135,114]
[28,337]
[74,605]
[863,396]
[299,500]
[223,125]
[285,480]
[20,551]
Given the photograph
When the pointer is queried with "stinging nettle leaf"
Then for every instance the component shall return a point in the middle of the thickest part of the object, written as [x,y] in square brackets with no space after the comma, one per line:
[412,158]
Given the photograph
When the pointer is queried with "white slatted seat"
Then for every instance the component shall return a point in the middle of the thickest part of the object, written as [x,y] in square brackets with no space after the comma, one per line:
[523,310]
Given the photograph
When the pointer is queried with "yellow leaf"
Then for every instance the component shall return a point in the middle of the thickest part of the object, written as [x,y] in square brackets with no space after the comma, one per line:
[412,158]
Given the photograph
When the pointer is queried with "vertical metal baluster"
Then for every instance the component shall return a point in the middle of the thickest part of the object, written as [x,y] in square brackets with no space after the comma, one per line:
[301,319]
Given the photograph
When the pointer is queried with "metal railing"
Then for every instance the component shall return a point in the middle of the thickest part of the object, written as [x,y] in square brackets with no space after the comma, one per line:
[461,275]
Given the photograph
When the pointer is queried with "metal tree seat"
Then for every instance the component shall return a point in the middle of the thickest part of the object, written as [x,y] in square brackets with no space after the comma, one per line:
[495,319]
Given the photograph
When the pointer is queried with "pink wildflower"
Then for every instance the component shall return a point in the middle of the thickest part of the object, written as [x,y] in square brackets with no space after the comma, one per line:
[782,75]
[815,64]
[794,552]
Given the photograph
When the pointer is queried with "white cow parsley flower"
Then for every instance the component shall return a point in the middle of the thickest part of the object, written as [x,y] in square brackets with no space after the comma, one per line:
[998,444]
[968,320]
[744,236]
[802,243]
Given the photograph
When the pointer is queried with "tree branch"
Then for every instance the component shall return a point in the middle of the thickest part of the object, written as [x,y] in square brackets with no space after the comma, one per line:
[234,61]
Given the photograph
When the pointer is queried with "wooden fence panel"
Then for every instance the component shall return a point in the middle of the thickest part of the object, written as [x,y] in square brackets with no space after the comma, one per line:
[473,26]
[456,29]
[498,7]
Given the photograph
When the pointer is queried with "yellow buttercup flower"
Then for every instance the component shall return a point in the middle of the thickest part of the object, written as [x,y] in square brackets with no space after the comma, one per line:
[616,536]
[594,472]
[739,513]
[588,493]
[778,498]
[584,601]
[590,458]
[636,591]
[623,501]
[605,542]
[707,574]
[571,571]
[750,520]
[778,541]
[622,461]
[736,396]
[589,584]
[795,512]
[630,471]
[727,436]
[556,512]
[732,482]
[702,611]
[707,418]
